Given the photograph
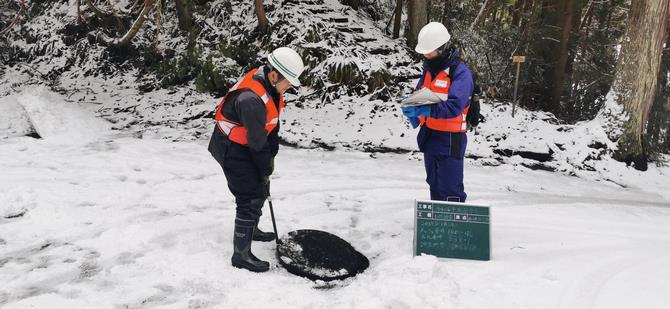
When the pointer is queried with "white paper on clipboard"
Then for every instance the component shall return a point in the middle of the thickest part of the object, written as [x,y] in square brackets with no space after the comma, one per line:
[422,97]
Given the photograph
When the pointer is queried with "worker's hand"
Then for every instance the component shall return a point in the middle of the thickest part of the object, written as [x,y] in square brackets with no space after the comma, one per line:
[416,111]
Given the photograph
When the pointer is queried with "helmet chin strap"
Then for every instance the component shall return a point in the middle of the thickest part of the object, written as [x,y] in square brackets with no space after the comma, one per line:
[443,48]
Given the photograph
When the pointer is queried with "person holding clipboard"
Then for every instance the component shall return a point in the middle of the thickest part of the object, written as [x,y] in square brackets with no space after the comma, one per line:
[439,106]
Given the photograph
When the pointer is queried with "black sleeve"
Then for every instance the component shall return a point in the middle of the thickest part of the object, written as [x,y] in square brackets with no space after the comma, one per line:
[253,116]
[273,141]
[477,90]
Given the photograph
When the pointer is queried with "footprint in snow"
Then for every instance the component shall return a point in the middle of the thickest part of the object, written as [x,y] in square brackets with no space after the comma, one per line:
[128,257]
[164,296]
[86,204]
[88,269]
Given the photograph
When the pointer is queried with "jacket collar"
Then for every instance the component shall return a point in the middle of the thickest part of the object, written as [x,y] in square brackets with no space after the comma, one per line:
[262,77]
[449,57]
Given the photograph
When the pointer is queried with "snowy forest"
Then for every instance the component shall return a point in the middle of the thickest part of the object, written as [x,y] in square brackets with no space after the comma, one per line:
[576,50]
[109,198]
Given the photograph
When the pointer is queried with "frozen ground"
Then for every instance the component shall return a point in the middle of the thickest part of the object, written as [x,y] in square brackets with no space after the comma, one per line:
[91,218]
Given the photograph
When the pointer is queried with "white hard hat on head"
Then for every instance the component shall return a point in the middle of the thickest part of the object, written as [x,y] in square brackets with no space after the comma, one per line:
[287,62]
[431,37]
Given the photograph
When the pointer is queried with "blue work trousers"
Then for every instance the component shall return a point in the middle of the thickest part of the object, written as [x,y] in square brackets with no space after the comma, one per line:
[444,175]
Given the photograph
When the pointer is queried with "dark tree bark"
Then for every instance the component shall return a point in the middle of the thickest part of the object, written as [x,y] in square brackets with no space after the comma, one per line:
[397,19]
[263,22]
[565,55]
[636,78]
[79,19]
[417,15]
[184,14]
[658,127]
[543,44]
[157,21]
[445,14]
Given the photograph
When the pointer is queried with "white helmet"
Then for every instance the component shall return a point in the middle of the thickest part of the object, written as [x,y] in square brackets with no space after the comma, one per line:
[431,37]
[288,63]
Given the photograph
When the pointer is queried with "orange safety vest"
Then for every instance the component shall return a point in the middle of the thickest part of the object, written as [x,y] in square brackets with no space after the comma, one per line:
[440,86]
[236,132]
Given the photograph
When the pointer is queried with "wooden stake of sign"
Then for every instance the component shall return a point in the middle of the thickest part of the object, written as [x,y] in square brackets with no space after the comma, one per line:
[518,60]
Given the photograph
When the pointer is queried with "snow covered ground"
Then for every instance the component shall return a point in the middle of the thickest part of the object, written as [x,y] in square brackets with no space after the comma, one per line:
[93,218]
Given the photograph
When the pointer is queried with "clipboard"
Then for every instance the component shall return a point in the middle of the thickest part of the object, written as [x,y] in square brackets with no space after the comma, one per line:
[422,97]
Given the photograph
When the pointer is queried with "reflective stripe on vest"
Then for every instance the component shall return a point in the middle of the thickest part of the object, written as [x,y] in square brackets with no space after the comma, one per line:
[440,86]
[236,132]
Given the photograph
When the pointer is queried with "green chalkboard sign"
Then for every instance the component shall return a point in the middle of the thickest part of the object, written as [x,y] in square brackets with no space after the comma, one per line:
[452,230]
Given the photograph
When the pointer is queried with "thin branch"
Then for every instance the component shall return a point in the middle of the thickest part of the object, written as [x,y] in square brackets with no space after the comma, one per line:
[102,14]
[13,23]
[388,23]
[479,15]
[585,15]
[95,10]
[148,5]
[17,18]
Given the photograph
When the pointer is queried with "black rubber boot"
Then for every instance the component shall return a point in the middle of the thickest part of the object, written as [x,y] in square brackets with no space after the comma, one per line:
[263,236]
[242,256]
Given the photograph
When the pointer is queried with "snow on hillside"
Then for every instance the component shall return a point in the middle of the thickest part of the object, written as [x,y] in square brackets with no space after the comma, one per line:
[123,222]
[331,111]
[347,56]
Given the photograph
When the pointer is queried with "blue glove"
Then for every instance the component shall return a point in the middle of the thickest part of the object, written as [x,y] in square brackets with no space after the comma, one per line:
[416,111]
[414,122]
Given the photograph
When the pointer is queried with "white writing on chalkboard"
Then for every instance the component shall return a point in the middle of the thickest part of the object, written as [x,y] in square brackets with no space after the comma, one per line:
[456,230]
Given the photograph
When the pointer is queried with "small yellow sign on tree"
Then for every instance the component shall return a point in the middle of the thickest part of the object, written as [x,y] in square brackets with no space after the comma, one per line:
[518,59]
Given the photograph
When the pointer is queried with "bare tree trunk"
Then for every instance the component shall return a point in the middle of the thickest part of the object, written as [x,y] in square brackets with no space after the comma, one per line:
[543,43]
[263,22]
[184,14]
[398,19]
[445,13]
[157,18]
[516,12]
[528,6]
[666,89]
[417,15]
[561,67]
[78,4]
[635,81]
[657,134]
[148,5]
[494,14]
[429,7]
[479,15]
[587,14]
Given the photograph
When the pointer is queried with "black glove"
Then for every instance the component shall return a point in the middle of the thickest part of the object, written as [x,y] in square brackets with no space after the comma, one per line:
[272,165]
